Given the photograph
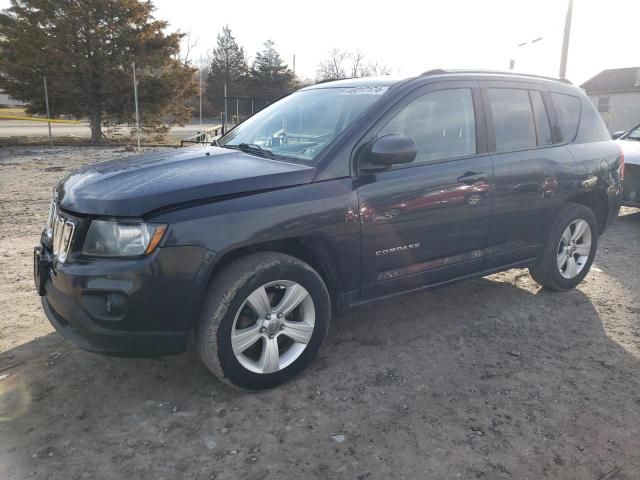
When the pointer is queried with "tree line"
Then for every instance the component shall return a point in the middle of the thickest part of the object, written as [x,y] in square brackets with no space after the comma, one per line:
[267,78]
[86,49]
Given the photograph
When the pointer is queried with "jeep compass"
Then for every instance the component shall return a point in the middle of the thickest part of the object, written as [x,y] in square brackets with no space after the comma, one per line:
[339,194]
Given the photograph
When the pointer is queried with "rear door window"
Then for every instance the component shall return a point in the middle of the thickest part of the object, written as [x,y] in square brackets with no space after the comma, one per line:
[512,119]
[568,112]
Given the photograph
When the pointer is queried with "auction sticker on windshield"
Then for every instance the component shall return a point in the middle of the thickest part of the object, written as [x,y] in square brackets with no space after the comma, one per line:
[365,90]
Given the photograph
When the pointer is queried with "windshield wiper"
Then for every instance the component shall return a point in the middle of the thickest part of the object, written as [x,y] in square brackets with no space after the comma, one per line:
[251,148]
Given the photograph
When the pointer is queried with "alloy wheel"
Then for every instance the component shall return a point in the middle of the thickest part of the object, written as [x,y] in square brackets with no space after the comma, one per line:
[273,326]
[574,248]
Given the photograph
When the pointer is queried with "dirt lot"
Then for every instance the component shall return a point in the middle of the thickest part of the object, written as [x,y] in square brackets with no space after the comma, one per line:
[490,379]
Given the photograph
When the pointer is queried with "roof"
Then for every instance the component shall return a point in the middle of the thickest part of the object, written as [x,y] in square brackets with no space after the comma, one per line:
[493,73]
[388,80]
[614,80]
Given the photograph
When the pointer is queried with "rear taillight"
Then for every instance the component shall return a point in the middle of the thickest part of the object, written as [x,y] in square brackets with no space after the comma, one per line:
[621,168]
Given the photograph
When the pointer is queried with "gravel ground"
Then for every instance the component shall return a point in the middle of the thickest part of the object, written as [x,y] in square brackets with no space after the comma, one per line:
[494,378]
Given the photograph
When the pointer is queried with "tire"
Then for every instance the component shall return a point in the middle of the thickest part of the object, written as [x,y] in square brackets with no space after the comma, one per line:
[235,307]
[554,270]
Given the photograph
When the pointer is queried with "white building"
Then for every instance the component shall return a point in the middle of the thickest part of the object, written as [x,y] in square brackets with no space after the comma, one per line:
[7,101]
[616,94]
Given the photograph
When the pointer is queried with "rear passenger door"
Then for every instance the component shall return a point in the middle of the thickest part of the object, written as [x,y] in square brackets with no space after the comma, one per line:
[533,175]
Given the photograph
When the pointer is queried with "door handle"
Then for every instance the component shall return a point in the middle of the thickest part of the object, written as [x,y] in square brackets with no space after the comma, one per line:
[472,177]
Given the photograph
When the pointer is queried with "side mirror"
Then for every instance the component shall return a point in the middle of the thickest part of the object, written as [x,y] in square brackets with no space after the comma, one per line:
[617,135]
[384,152]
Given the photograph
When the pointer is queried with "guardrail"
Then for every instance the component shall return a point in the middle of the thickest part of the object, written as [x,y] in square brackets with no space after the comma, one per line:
[205,136]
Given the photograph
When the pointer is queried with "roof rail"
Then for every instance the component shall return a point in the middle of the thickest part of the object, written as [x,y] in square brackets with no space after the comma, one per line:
[440,71]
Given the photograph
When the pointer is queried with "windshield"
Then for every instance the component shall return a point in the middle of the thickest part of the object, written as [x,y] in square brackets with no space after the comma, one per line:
[633,134]
[301,125]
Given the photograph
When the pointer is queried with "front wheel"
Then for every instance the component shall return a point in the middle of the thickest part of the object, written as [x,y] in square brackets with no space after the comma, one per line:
[570,249]
[264,320]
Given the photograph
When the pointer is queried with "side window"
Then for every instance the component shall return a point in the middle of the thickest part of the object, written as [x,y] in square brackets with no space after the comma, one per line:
[442,125]
[592,128]
[568,112]
[543,130]
[512,119]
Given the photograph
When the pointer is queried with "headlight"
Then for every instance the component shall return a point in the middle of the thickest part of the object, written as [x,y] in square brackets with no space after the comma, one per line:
[114,239]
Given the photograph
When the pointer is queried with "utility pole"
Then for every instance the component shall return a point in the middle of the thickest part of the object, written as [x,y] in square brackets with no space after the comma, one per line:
[46,101]
[565,40]
[294,65]
[200,96]
[135,96]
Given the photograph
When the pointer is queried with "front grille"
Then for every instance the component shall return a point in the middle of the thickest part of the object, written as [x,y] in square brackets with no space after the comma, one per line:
[59,232]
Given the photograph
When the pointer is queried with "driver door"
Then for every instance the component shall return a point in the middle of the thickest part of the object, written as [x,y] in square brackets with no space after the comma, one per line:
[427,222]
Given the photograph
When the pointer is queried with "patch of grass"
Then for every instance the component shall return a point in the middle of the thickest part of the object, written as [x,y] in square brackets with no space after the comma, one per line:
[14,111]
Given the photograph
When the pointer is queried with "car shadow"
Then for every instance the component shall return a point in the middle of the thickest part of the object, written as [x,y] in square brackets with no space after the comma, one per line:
[489,376]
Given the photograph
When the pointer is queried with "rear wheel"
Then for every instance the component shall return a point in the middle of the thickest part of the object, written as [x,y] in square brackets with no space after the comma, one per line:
[570,249]
[264,320]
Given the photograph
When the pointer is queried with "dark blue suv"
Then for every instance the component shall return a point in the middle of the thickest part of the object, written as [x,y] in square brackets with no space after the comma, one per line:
[337,195]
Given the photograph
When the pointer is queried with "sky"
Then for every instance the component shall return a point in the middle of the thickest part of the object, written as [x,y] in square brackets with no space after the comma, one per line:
[415,36]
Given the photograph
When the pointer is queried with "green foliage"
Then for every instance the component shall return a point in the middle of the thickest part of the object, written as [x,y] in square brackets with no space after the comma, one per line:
[86,48]
[270,76]
[228,65]
[267,79]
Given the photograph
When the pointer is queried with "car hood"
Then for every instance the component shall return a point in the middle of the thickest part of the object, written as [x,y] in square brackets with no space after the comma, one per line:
[631,150]
[137,185]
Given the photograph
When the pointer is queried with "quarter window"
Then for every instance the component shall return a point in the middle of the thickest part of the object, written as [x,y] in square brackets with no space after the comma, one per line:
[512,119]
[568,112]
[442,125]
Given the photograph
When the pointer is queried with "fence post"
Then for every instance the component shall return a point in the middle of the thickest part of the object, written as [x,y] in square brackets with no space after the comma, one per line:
[46,101]
[135,95]
[200,95]
[224,127]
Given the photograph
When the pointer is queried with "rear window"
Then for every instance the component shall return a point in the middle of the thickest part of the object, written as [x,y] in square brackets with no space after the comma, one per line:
[568,112]
[512,119]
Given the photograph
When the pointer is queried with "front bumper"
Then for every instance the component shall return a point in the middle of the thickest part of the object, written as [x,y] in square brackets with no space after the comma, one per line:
[130,308]
[79,328]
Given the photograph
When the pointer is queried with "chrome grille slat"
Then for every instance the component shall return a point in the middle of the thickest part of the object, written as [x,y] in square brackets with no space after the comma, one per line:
[60,230]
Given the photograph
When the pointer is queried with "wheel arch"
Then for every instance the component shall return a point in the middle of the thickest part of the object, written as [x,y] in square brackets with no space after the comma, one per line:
[598,202]
[316,251]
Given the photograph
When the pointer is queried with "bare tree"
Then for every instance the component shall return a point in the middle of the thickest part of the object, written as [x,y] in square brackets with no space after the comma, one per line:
[374,70]
[340,62]
[333,67]
[189,45]
[357,62]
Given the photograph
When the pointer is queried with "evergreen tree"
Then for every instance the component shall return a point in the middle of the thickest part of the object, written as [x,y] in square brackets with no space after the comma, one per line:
[271,78]
[86,48]
[228,65]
